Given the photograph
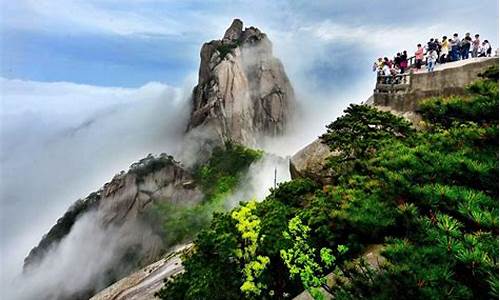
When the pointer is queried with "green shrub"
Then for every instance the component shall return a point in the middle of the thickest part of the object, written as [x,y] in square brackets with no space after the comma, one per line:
[218,178]
[481,106]
[363,129]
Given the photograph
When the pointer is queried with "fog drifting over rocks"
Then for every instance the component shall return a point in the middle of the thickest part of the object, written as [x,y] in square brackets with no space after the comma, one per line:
[61,141]
[81,261]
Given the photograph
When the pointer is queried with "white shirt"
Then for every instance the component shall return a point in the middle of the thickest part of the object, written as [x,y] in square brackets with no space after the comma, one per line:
[432,56]
[481,49]
[386,70]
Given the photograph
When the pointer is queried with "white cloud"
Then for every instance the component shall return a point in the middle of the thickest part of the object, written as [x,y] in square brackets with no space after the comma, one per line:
[61,141]
[107,17]
[390,37]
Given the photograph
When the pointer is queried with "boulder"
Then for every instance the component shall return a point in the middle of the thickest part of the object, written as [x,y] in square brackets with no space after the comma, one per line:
[310,162]
[143,284]
[373,256]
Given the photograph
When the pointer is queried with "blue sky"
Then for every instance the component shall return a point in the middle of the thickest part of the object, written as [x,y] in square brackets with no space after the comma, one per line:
[129,43]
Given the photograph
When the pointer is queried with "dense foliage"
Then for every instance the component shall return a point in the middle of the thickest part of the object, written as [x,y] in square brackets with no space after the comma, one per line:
[301,258]
[429,198]
[217,178]
[361,130]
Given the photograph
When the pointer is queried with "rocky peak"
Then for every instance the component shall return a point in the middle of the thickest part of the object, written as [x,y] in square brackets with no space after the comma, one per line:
[243,92]
[234,31]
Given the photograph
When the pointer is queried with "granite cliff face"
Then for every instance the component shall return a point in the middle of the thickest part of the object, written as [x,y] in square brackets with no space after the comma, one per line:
[243,92]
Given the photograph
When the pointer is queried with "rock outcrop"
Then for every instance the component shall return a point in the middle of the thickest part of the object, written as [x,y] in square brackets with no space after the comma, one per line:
[310,162]
[243,92]
[448,79]
[143,284]
[122,208]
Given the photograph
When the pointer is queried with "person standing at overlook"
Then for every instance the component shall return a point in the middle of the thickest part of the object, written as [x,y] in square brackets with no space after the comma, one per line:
[419,56]
[444,50]
[386,71]
[475,45]
[455,47]
[485,49]
[431,60]
[488,48]
[377,66]
[431,45]
[438,47]
[387,62]
[397,61]
[465,46]
[404,62]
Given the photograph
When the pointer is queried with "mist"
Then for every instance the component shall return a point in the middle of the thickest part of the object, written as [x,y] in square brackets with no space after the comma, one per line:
[61,141]
[264,174]
[83,259]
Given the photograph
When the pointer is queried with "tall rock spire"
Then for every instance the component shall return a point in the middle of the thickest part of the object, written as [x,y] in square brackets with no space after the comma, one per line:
[234,31]
[243,92]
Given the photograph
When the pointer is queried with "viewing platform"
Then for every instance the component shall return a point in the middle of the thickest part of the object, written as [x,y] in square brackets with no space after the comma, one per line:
[404,91]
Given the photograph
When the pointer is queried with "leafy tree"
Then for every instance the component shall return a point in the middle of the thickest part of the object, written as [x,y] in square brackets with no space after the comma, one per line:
[212,270]
[248,224]
[362,129]
[301,258]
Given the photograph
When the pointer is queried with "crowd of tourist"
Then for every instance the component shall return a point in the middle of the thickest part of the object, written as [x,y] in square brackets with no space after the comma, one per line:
[436,51]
